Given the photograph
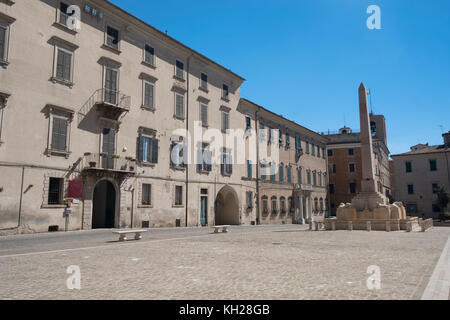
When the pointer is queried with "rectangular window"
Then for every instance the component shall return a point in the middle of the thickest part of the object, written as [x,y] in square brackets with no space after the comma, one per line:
[2,43]
[435,188]
[179,69]
[55,191]
[410,189]
[269,129]
[331,187]
[281,174]
[351,167]
[227,163]
[262,132]
[299,176]
[318,152]
[351,152]
[280,137]
[178,195]
[313,149]
[148,149]
[288,140]
[248,123]
[249,169]
[112,37]
[205,158]
[353,188]
[204,114]
[433,165]
[289,175]
[146,194]
[177,154]
[149,95]
[263,172]
[64,65]
[59,134]
[63,15]
[272,173]
[323,153]
[249,199]
[225,92]
[204,81]
[314,179]
[308,174]
[179,106]
[408,165]
[149,55]
[111,76]
[307,147]
[225,121]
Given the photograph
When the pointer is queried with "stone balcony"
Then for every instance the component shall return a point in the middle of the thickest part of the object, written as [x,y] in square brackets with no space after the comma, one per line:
[101,162]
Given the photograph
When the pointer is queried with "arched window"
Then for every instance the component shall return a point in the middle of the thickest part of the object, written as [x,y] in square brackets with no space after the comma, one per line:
[321,205]
[265,204]
[274,204]
[283,204]
[291,204]
[316,205]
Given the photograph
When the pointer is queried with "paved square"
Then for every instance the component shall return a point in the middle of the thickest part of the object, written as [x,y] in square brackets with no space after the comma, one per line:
[267,262]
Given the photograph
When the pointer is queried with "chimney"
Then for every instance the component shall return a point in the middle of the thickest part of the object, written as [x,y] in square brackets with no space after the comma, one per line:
[447,139]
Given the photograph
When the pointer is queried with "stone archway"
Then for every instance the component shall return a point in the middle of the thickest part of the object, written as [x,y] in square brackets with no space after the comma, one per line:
[227,207]
[104,205]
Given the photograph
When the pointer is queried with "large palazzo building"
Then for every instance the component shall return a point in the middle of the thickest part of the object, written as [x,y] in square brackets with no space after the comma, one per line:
[94,115]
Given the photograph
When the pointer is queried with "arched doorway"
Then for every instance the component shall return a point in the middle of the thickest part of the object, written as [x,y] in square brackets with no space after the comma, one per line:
[227,207]
[104,206]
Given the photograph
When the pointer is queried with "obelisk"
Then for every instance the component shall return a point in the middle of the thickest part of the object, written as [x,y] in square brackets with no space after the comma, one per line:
[368,198]
[368,183]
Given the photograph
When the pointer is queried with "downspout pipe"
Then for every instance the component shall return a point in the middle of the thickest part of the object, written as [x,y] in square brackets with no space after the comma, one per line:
[187,130]
[258,211]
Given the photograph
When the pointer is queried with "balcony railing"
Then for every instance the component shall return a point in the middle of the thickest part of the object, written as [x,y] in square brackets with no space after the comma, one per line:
[102,161]
[113,102]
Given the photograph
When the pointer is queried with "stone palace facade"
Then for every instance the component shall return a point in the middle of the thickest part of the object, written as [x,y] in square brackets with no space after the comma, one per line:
[90,118]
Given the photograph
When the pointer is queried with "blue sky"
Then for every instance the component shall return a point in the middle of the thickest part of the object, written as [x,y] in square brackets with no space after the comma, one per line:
[305,59]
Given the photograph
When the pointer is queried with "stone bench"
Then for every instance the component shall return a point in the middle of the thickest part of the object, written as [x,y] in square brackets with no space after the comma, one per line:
[123,234]
[218,228]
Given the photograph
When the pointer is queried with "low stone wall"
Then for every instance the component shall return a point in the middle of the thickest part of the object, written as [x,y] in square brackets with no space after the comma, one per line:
[409,225]
[426,224]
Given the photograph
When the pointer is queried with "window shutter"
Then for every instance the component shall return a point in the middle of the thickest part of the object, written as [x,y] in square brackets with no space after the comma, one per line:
[209,160]
[249,169]
[59,134]
[141,149]
[155,151]
[204,114]
[60,65]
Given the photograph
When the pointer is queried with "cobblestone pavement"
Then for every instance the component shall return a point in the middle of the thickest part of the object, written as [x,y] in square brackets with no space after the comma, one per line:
[270,262]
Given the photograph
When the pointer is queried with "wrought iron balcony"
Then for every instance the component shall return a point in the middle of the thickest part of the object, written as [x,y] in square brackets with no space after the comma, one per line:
[113,104]
[102,161]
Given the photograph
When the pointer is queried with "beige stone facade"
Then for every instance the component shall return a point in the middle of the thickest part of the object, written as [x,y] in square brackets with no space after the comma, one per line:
[96,112]
[418,173]
[292,189]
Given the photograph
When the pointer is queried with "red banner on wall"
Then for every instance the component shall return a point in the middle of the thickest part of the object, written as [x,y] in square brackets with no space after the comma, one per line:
[75,189]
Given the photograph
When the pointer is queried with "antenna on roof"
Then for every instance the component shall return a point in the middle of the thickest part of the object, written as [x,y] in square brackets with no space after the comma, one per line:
[370,97]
